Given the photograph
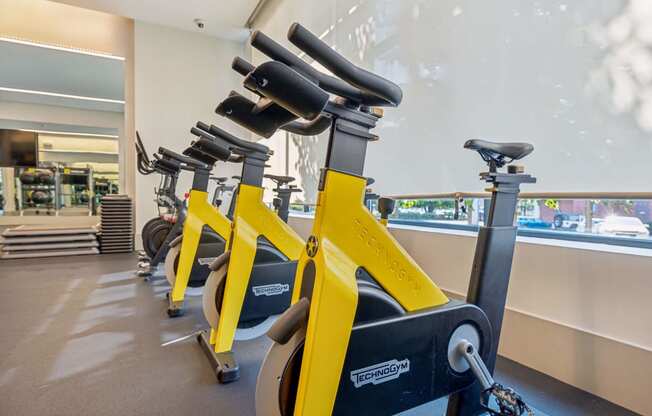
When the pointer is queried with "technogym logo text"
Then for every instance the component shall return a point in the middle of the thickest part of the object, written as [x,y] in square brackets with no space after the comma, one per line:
[379,373]
[206,261]
[271,290]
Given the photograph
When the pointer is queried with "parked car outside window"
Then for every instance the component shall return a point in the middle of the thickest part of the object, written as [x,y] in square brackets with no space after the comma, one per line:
[623,226]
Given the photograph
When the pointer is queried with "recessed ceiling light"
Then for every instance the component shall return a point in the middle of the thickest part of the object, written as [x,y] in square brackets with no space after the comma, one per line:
[61,48]
[70,133]
[56,94]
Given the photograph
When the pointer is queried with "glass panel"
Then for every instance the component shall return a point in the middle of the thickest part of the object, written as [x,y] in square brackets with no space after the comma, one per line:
[572,77]
[610,221]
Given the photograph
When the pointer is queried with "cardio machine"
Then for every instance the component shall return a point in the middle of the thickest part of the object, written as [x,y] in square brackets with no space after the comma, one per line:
[210,242]
[252,280]
[368,331]
[159,232]
[166,200]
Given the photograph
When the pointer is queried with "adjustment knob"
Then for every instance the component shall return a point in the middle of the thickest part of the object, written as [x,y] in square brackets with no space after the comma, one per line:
[515,169]
[386,207]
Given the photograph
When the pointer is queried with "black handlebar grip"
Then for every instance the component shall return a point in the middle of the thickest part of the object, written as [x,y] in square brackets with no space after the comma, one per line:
[343,68]
[214,149]
[235,141]
[207,145]
[170,165]
[180,158]
[199,155]
[201,133]
[274,50]
[203,126]
[241,66]
[269,47]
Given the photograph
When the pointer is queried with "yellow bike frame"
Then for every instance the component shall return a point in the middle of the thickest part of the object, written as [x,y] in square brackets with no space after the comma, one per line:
[346,236]
[251,220]
[200,213]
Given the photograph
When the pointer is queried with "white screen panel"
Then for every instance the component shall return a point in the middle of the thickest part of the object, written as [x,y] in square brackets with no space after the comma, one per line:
[574,78]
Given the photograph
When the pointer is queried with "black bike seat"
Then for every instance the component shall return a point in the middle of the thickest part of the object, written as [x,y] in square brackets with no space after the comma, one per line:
[279,178]
[220,179]
[498,152]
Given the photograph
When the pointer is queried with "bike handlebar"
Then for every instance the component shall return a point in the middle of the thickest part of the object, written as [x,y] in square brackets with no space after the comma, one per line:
[235,141]
[274,50]
[358,77]
[308,128]
[215,150]
[241,66]
[168,165]
[183,159]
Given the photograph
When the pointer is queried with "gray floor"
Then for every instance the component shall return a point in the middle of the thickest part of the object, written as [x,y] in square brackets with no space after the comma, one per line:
[83,336]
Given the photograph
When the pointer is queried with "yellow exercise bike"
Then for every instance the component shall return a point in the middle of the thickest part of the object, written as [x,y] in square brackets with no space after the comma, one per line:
[251,282]
[369,332]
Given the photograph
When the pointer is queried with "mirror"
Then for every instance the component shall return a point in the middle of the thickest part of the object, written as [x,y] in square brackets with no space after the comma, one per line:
[61,123]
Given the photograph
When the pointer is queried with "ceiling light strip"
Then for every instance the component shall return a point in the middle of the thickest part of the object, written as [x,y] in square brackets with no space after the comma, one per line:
[61,48]
[56,94]
[70,133]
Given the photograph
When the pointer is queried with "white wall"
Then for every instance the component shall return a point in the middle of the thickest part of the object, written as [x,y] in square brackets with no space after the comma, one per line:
[180,77]
[580,315]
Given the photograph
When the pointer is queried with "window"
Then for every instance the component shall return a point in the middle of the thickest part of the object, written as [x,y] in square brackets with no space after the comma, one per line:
[609,221]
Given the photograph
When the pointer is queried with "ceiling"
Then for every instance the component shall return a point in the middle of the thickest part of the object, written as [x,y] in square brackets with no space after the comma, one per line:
[224,19]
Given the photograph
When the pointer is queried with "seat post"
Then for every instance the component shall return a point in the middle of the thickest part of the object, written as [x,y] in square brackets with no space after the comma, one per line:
[200,179]
[492,266]
[253,170]
[284,206]
[347,143]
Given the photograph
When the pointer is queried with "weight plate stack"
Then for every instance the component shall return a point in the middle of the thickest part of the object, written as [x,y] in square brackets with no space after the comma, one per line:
[117,224]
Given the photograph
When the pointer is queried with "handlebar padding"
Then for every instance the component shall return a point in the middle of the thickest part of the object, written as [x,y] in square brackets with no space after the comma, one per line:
[215,149]
[180,158]
[201,156]
[168,165]
[208,146]
[274,50]
[240,110]
[241,66]
[288,88]
[235,141]
[358,77]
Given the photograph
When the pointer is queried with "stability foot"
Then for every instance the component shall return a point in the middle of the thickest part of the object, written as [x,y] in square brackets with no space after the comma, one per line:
[223,363]
[175,312]
[144,273]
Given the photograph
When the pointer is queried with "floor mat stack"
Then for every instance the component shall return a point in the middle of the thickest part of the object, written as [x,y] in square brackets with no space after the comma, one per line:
[34,241]
[117,226]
